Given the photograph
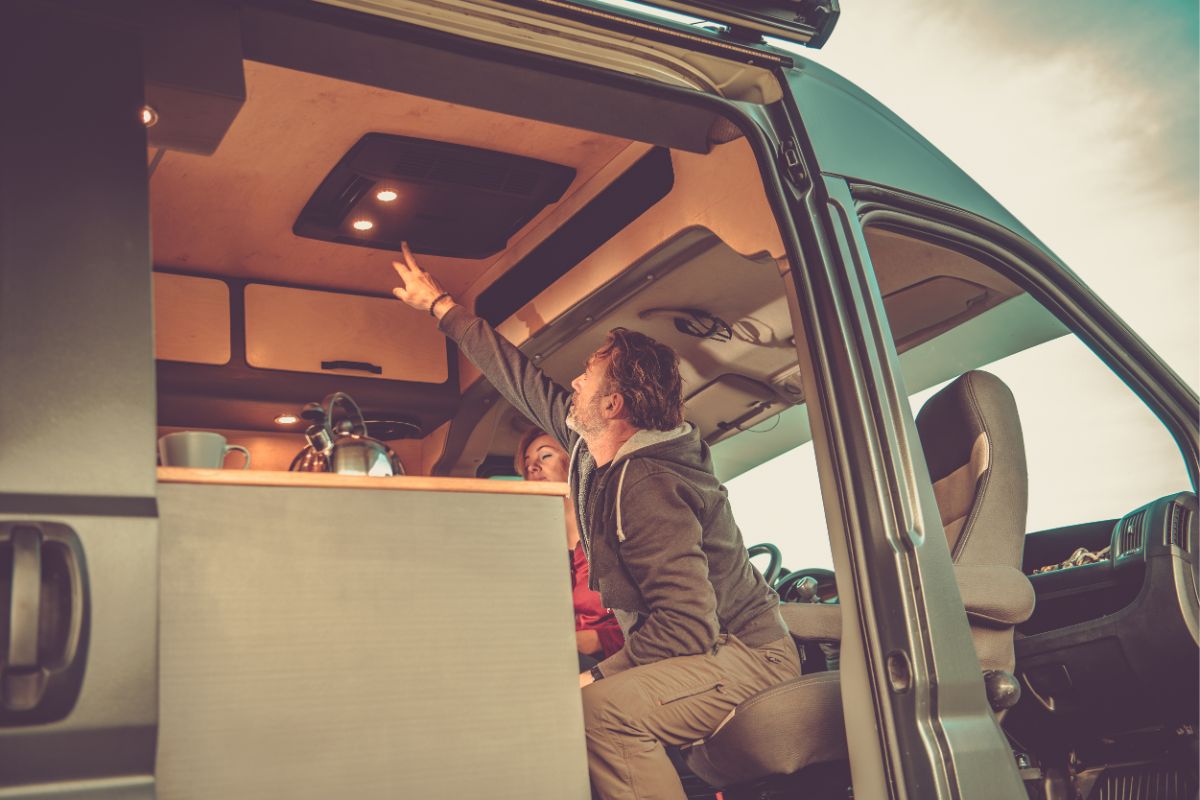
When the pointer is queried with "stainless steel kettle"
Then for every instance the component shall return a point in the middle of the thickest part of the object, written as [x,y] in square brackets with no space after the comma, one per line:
[342,445]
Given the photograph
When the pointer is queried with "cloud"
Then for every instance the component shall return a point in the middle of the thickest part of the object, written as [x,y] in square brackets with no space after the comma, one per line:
[1146,51]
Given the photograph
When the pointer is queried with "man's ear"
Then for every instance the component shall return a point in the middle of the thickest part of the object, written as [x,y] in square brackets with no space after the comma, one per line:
[614,406]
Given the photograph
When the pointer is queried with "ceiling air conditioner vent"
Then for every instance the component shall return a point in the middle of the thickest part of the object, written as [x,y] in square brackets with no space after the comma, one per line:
[1179,519]
[443,199]
[1131,534]
[412,164]
[480,174]
[347,196]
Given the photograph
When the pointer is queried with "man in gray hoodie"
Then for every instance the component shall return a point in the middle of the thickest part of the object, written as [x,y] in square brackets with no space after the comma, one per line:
[702,627]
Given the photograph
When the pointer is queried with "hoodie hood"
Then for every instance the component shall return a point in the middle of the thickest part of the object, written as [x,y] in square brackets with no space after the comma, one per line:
[680,447]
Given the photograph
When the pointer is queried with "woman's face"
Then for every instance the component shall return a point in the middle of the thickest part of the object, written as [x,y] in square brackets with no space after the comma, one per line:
[545,460]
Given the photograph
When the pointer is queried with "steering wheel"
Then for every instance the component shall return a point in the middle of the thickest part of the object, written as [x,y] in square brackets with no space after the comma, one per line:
[812,585]
[774,564]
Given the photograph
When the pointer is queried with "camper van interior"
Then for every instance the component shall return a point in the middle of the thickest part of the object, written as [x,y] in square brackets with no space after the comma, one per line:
[272,287]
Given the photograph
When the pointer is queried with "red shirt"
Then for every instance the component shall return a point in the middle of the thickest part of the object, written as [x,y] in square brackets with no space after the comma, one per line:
[590,613]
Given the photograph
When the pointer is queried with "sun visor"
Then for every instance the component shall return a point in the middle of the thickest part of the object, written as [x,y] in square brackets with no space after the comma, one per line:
[732,403]
[443,199]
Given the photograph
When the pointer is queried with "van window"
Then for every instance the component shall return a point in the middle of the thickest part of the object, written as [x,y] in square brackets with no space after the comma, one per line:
[1093,449]
[779,501]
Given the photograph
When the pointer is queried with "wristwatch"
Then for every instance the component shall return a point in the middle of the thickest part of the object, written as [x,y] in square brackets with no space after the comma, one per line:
[597,675]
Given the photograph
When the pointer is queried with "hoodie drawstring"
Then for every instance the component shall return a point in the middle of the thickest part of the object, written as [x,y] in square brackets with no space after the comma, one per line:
[620,483]
[571,459]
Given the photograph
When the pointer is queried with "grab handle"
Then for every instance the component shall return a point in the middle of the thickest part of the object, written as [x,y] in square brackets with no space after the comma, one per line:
[362,366]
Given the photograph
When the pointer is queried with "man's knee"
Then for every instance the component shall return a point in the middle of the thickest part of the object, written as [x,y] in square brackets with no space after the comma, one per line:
[609,705]
[597,706]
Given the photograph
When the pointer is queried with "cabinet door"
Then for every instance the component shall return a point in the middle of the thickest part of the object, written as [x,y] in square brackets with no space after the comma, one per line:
[191,319]
[303,330]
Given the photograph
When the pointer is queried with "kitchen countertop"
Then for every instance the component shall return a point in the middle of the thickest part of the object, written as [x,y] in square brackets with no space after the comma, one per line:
[326,480]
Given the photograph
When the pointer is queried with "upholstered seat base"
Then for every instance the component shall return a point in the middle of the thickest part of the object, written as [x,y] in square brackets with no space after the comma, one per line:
[777,732]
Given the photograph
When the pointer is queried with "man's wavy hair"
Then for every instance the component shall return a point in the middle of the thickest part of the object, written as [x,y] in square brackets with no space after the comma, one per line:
[646,374]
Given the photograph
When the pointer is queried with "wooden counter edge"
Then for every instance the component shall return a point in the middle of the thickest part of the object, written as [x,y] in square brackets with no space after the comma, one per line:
[325,480]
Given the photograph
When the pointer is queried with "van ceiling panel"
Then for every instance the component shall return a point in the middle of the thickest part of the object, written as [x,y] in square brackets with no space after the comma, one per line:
[232,213]
[424,62]
[443,199]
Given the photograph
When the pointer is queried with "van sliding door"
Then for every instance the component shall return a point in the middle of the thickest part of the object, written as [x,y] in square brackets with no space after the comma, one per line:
[78,525]
[916,713]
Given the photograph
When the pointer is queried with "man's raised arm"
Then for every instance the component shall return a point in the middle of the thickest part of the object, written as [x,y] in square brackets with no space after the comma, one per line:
[525,386]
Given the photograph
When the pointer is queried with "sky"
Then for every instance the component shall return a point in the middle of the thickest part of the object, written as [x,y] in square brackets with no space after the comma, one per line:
[1080,117]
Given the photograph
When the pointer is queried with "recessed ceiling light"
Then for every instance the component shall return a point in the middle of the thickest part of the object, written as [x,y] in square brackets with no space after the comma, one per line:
[363,224]
[287,419]
[386,196]
[149,116]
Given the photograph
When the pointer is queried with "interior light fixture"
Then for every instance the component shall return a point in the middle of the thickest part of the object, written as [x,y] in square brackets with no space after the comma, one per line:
[149,116]
[386,195]
[287,419]
[363,224]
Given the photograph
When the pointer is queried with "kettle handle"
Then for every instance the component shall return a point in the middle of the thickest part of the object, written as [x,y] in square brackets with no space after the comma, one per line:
[348,402]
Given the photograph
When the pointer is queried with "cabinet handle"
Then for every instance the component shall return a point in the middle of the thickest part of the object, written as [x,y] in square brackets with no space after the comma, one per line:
[365,366]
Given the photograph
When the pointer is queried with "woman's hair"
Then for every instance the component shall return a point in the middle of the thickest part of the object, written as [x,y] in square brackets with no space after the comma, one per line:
[523,445]
[646,374]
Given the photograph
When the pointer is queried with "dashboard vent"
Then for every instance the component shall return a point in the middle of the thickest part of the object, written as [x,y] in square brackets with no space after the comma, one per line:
[1179,519]
[1131,533]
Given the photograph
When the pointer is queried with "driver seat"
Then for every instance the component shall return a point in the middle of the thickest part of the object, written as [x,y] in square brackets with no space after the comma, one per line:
[973,446]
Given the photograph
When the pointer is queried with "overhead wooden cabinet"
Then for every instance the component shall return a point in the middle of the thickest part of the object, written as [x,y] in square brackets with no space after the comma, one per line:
[191,319]
[303,330]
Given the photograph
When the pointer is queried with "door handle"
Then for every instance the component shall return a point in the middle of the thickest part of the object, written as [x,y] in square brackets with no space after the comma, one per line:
[26,600]
[43,621]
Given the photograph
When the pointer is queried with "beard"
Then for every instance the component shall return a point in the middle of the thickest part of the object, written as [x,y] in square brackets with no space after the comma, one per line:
[585,421]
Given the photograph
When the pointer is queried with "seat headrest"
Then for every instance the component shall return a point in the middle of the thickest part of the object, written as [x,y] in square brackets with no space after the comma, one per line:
[971,436]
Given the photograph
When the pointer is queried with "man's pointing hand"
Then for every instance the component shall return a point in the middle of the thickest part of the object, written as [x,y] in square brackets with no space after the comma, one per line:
[418,288]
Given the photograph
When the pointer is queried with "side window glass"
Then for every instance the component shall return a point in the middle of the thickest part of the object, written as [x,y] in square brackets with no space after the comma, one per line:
[1093,450]
[779,501]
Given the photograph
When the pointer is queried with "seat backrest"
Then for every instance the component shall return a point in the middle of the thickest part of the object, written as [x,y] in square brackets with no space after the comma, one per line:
[973,446]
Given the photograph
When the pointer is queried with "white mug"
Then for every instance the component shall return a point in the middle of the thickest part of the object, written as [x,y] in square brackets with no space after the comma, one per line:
[198,449]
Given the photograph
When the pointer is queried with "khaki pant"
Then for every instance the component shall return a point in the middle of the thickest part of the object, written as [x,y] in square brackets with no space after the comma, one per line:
[630,716]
